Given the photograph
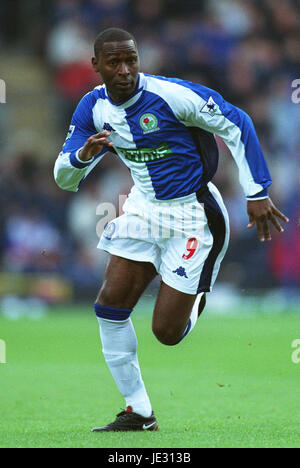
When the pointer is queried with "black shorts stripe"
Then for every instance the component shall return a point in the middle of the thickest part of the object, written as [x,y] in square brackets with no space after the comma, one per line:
[217,227]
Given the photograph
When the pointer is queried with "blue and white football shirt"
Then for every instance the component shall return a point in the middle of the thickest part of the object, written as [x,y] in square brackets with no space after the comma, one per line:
[164,133]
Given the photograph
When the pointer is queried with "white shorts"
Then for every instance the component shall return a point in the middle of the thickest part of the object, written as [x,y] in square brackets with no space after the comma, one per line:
[185,239]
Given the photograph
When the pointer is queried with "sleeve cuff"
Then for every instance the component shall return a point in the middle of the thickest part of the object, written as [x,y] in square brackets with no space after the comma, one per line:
[259,196]
[76,162]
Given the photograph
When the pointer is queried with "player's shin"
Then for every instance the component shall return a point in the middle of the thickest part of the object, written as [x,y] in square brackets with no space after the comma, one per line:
[119,345]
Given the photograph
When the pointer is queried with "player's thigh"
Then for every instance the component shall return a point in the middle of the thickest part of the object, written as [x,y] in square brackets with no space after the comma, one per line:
[171,314]
[124,282]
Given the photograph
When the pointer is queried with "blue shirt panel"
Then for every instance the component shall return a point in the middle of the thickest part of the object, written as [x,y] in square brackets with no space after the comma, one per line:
[179,174]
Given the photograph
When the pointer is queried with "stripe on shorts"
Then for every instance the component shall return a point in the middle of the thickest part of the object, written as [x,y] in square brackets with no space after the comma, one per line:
[217,227]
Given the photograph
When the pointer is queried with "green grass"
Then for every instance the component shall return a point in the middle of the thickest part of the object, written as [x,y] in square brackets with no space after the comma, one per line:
[231,383]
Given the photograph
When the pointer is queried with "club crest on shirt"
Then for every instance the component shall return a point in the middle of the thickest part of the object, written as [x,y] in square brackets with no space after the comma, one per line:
[211,107]
[149,123]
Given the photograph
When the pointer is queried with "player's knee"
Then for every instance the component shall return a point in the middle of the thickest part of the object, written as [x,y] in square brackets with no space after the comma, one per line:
[166,335]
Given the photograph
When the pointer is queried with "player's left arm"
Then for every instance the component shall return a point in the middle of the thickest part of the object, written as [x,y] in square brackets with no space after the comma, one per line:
[208,110]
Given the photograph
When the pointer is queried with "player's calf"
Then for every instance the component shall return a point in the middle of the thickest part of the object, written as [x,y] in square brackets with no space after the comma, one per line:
[174,331]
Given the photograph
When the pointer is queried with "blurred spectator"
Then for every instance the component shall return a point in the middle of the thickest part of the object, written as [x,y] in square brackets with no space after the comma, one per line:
[236,18]
[32,244]
[69,52]
[284,255]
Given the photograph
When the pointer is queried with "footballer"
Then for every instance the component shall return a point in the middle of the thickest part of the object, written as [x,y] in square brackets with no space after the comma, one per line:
[175,223]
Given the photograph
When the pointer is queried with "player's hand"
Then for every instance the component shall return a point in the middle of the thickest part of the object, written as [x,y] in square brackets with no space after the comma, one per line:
[262,213]
[94,145]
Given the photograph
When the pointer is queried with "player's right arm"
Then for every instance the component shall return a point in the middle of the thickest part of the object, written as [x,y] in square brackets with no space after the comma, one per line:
[83,148]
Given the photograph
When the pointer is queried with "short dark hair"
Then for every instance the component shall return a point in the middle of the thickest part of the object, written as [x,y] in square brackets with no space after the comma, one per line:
[111,35]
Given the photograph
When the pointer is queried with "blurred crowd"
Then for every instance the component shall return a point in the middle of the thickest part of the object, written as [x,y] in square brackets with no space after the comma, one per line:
[249,51]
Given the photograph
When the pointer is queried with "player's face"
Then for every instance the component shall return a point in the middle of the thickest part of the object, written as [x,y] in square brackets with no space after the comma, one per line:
[119,66]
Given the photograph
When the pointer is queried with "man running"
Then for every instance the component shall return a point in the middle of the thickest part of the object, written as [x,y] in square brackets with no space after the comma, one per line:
[175,223]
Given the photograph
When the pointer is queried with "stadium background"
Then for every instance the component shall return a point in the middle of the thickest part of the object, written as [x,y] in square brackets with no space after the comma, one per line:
[247,50]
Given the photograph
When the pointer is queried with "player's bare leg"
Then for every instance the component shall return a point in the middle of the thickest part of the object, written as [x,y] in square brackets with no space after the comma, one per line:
[172,313]
[125,281]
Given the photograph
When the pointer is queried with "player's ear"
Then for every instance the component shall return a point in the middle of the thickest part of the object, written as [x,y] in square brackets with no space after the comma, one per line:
[95,65]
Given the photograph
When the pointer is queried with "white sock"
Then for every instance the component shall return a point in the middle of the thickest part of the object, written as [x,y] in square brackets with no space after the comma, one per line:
[193,317]
[119,346]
